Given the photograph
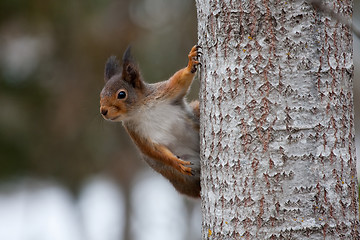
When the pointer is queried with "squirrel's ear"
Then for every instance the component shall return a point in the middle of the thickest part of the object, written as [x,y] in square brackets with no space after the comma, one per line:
[127,55]
[130,71]
[111,68]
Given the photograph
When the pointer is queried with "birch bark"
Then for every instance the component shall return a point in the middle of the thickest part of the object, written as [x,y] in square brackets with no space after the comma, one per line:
[277,134]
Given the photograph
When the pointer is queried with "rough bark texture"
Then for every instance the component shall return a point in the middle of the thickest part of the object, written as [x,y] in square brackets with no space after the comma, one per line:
[278,154]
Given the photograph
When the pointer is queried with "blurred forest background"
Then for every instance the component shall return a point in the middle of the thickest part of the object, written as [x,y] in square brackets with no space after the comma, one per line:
[65,173]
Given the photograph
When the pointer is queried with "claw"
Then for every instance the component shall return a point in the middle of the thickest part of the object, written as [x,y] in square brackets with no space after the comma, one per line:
[187,171]
[182,166]
[194,55]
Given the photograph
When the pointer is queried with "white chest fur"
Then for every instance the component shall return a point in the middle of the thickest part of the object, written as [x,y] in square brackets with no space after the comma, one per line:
[169,125]
[161,122]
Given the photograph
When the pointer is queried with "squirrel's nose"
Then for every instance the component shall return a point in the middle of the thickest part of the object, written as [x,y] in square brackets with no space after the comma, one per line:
[104,111]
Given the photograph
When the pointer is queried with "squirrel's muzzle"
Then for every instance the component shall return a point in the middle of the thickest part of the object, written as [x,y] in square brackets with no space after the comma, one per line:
[103,111]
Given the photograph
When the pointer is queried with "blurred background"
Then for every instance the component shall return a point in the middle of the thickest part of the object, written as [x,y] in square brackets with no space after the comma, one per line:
[65,173]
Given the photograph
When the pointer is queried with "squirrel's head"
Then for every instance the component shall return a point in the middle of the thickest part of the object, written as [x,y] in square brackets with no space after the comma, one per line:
[123,87]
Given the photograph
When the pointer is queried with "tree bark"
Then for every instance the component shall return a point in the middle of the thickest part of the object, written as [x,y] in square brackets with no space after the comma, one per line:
[277,134]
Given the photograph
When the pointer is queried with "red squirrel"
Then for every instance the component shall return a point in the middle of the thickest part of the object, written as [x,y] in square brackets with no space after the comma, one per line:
[162,124]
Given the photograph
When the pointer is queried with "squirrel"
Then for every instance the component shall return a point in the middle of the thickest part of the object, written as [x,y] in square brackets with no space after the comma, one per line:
[161,123]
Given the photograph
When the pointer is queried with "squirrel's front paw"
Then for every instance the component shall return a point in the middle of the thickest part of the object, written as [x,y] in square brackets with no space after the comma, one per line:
[194,58]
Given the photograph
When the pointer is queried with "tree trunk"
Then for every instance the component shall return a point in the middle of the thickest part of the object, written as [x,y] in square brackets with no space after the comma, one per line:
[277,134]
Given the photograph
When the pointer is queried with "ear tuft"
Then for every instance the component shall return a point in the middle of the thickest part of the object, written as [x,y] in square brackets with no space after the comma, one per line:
[111,68]
[127,55]
[130,70]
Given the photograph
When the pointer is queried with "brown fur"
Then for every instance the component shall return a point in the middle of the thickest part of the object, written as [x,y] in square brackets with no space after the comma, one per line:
[160,122]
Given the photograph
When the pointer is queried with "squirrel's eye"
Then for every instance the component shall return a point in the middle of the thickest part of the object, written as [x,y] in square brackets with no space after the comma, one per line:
[121,95]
